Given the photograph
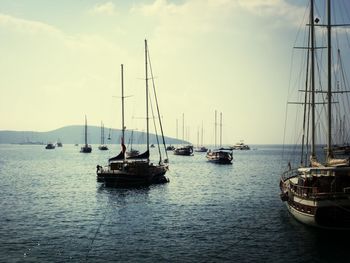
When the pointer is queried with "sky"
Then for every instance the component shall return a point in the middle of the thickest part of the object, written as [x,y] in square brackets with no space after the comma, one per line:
[60,60]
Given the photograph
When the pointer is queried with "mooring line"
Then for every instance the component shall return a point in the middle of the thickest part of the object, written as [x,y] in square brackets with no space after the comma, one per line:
[97,231]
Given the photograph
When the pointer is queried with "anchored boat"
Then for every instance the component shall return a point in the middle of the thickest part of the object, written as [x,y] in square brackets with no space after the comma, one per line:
[317,193]
[134,170]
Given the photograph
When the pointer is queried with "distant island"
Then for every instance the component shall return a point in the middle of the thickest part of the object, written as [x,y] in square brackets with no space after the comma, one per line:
[75,134]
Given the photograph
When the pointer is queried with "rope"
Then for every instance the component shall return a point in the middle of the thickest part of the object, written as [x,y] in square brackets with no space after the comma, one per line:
[97,231]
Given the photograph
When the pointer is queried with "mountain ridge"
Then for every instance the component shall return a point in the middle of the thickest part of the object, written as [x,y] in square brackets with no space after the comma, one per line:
[75,134]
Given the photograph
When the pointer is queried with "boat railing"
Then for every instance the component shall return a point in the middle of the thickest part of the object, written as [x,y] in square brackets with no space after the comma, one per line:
[315,192]
[289,174]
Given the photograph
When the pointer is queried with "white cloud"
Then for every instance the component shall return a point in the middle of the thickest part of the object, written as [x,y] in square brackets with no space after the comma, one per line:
[104,9]
[27,26]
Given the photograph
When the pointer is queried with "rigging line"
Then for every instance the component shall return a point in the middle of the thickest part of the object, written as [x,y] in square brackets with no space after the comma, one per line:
[155,127]
[97,231]
[156,99]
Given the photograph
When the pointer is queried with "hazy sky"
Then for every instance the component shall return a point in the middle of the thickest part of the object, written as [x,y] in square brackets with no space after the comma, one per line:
[60,60]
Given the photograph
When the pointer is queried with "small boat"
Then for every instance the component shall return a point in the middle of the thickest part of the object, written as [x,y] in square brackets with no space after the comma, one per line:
[59,143]
[102,147]
[132,152]
[186,150]
[86,148]
[240,146]
[170,148]
[317,191]
[50,146]
[200,148]
[152,146]
[136,170]
[220,156]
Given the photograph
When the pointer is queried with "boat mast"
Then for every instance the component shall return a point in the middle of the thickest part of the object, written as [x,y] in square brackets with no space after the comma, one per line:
[183,127]
[329,90]
[215,124]
[177,125]
[123,126]
[85,132]
[220,129]
[313,122]
[202,135]
[146,72]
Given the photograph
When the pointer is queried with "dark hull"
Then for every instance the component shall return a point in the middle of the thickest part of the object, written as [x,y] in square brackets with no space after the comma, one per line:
[133,176]
[103,148]
[220,161]
[184,153]
[85,150]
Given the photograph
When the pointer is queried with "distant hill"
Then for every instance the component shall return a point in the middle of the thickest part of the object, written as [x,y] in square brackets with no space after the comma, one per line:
[75,134]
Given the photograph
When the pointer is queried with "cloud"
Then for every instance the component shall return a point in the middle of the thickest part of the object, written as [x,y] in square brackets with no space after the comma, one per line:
[27,26]
[104,9]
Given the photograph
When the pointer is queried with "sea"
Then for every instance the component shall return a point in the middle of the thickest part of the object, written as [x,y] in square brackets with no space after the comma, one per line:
[52,209]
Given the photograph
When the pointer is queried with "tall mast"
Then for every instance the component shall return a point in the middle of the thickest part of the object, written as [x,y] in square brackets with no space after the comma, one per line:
[183,127]
[329,90]
[202,135]
[313,122]
[122,82]
[197,136]
[220,129]
[215,124]
[85,131]
[146,72]
[177,126]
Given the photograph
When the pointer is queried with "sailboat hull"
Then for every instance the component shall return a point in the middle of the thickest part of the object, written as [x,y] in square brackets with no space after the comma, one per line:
[315,207]
[132,174]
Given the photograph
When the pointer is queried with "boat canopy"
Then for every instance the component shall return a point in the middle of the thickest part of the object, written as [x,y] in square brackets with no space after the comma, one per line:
[144,155]
[119,157]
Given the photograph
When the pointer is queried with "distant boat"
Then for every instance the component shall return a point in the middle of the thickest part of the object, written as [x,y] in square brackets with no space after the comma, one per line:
[109,135]
[50,146]
[59,143]
[170,148]
[240,146]
[200,148]
[86,148]
[221,155]
[132,152]
[317,192]
[102,147]
[186,150]
[137,170]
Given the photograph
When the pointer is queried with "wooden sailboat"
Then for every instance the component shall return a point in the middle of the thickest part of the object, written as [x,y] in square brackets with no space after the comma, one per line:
[186,150]
[103,146]
[201,147]
[86,148]
[136,170]
[221,155]
[132,152]
[318,193]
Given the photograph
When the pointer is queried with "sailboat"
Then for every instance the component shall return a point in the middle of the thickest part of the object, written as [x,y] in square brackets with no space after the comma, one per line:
[201,147]
[221,155]
[317,193]
[136,170]
[132,152]
[186,150]
[103,146]
[86,148]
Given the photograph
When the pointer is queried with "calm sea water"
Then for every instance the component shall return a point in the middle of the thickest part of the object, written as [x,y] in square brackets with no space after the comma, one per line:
[53,210]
